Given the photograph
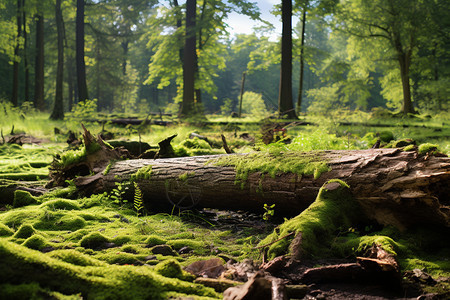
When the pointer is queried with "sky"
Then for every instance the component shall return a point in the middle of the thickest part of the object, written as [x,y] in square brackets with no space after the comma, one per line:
[243,24]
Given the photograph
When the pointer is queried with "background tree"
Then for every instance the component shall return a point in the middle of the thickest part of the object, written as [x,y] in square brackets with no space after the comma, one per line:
[285,100]
[393,25]
[58,108]
[39,102]
[81,65]
[189,60]
[15,85]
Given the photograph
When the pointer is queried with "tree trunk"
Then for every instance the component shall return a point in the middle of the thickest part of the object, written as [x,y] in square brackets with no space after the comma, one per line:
[189,61]
[405,62]
[58,109]
[302,60]
[39,65]
[81,65]
[25,55]
[15,87]
[393,187]
[285,104]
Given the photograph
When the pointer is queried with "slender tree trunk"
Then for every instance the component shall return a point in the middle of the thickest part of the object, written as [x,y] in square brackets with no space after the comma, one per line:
[198,91]
[58,109]
[189,61]
[39,64]
[81,65]
[179,24]
[25,55]
[405,62]
[285,101]
[124,45]
[302,60]
[15,87]
[98,69]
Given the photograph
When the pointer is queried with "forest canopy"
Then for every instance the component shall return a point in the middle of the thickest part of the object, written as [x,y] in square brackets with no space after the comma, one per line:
[134,55]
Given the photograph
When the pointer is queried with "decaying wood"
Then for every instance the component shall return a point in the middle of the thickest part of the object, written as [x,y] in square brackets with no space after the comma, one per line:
[392,186]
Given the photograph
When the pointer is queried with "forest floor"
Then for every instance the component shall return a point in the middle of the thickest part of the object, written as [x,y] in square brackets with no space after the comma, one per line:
[59,244]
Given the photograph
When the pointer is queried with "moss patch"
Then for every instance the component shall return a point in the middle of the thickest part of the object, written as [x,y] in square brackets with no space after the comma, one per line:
[332,210]
[275,163]
[143,173]
[20,264]
[23,198]
[172,269]
[25,231]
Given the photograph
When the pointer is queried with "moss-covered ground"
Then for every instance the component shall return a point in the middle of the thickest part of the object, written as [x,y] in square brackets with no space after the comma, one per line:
[63,246]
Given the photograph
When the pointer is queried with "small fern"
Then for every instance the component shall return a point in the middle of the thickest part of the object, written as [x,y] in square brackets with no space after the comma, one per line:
[138,203]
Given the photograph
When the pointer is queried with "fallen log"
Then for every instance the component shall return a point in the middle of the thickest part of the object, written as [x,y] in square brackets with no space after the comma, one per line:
[392,186]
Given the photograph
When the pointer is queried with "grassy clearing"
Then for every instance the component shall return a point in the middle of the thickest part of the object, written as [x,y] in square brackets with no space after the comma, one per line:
[101,247]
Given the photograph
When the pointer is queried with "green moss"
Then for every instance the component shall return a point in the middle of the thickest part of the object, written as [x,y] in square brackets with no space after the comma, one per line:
[20,264]
[5,230]
[196,143]
[386,136]
[199,247]
[76,258]
[70,222]
[435,267]
[25,231]
[428,148]
[172,269]
[29,291]
[66,192]
[15,218]
[23,198]
[409,148]
[186,175]
[72,157]
[275,163]
[121,239]
[120,258]
[94,240]
[36,242]
[153,240]
[143,173]
[359,245]
[107,169]
[333,209]
[61,204]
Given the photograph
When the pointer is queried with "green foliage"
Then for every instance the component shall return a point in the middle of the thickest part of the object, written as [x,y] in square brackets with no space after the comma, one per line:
[153,240]
[138,202]
[254,106]
[118,192]
[227,107]
[84,110]
[269,211]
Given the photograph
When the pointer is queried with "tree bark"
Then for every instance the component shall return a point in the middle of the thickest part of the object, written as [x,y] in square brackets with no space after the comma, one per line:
[285,104]
[393,187]
[25,55]
[58,109]
[81,65]
[302,60]
[189,61]
[15,86]
[39,65]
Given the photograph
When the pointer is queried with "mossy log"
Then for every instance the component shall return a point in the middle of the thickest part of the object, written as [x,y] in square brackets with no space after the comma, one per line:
[392,186]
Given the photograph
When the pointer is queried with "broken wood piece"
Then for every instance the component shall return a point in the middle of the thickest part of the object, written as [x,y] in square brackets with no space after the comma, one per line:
[225,145]
[219,285]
